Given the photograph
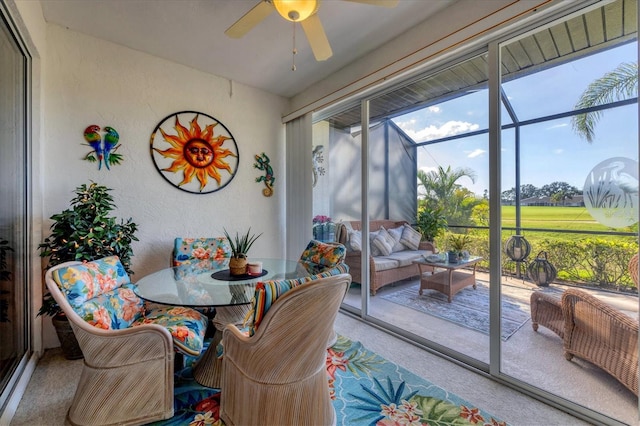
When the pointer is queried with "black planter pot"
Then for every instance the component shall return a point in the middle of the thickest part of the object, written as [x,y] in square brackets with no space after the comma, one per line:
[68,342]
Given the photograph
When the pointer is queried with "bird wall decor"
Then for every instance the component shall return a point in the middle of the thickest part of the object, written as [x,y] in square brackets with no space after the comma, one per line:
[104,148]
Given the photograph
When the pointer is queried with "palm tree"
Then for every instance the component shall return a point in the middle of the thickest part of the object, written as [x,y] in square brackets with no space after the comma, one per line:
[441,184]
[441,190]
[621,83]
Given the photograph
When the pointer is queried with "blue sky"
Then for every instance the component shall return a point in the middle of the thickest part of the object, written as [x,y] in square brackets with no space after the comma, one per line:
[550,151]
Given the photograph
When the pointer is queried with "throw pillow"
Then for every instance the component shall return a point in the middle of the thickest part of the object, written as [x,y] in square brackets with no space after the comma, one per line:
[410,238]
[355,240]
[383,242]
[375,251]
[396,233]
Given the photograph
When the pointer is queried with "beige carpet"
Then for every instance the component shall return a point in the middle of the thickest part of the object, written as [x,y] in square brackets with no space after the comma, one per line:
[52,386]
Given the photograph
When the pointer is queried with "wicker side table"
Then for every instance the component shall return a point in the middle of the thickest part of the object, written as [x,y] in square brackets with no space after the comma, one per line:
[546,310]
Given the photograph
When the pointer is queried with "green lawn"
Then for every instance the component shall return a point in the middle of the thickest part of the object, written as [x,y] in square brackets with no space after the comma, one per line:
[552,217]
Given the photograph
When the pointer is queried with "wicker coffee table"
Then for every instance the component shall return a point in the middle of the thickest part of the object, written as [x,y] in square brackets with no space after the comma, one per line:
[450,279]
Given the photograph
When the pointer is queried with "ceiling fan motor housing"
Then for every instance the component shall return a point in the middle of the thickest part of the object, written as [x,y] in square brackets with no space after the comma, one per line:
[296,10]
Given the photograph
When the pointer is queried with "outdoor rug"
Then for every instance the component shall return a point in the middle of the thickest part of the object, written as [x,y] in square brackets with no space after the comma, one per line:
[366,389]
[469,308]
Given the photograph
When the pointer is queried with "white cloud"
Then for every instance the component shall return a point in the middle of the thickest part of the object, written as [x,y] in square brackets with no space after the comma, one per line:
[558,151]
[435,109]
[557,126]
[476,153]
[449,128]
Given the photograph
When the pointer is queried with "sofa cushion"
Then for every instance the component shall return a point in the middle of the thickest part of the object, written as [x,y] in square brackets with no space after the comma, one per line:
[384,263]
[410,238]
[406,257]
[396,233]
[354,239]
[383,242]
[375,251]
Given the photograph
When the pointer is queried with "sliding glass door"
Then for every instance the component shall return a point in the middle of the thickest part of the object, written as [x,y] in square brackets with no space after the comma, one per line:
[569,149]
[14,324]
[520,162]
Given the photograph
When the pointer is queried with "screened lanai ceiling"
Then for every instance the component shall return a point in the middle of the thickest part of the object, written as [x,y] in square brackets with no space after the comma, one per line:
[599,29]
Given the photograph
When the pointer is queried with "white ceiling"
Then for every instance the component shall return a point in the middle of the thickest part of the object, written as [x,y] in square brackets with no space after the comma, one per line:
[191,32]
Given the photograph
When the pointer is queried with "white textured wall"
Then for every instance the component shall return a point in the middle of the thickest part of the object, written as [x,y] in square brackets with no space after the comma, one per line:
[91,81]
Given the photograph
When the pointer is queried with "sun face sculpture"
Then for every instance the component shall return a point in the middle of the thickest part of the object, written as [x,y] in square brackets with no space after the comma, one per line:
[205,151]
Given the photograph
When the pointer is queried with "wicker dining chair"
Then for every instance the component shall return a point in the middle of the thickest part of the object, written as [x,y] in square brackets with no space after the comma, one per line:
[278,375]
[127,375]
[600,334]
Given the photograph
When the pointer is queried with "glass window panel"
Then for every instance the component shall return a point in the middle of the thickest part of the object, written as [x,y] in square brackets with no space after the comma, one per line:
[571,247]
[13,225]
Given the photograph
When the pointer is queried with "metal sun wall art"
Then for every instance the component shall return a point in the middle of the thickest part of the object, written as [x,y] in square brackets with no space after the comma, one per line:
[206,149]
[611,192]
[262,163]
[104,148]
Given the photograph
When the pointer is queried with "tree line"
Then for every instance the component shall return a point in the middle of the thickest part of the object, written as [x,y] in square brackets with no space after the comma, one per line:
[558,192]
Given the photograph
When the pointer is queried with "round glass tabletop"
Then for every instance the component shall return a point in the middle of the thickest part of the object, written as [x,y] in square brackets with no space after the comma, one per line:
[193,286]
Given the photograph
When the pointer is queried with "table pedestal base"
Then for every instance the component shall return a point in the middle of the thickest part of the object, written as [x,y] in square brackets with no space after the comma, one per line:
[208,369]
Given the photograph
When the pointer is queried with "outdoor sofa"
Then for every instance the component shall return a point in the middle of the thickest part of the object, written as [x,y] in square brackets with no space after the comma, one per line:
[384,268]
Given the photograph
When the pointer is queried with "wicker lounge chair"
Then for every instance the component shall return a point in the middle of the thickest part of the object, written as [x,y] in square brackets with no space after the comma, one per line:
[598,333]
[278,375]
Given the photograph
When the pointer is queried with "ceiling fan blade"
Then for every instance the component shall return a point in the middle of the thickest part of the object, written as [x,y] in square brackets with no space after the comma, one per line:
[383,3]
[317,38]
[250,19]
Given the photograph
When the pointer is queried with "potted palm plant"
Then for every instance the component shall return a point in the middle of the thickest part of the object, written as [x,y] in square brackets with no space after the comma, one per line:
[431,223]
[240,246]
[85,231]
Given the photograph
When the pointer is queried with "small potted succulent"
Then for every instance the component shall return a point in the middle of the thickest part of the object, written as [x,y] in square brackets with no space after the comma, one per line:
[240,246]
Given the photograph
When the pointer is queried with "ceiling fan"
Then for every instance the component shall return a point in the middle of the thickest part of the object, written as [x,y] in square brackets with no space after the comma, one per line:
[302,11]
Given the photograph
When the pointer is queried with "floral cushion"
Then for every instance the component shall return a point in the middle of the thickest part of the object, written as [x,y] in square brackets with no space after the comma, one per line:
[85,281]
[114,310]
[209,253]
[319,256]
[187,327]
[268,292]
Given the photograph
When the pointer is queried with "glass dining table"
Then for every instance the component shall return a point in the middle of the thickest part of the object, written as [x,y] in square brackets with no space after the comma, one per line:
[197,287]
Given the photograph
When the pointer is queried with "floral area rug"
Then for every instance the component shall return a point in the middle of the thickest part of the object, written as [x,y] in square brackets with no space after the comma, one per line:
[469,307]
[366,389]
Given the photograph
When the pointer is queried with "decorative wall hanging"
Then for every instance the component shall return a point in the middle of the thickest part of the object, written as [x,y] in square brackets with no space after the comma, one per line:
[104,148]
[204,150]
[262,163]
[611,192]
[317,158]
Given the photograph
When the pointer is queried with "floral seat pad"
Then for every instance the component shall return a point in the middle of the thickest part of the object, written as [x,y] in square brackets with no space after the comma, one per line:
[113,310]
[187,327]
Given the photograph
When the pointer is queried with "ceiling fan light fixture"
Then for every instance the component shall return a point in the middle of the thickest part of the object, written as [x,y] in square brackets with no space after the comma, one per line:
[295,10]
